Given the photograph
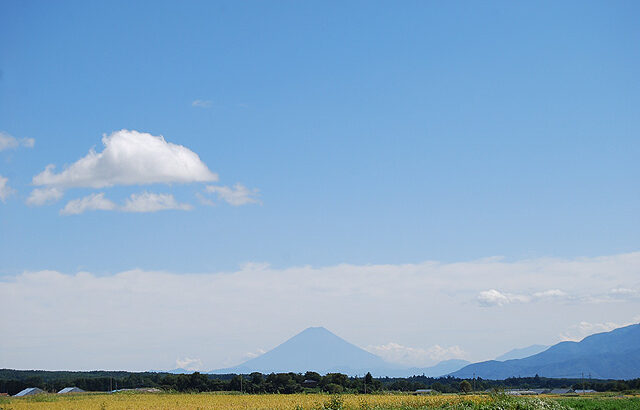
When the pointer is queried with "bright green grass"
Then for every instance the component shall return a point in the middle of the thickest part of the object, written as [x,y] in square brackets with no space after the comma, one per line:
[600,403]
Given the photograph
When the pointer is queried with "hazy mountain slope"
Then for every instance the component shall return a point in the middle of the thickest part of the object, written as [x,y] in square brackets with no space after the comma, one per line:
[521,353]
[440,369]
[614,354]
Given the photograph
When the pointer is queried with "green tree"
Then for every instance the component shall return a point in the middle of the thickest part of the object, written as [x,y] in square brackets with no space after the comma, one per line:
[465,386]
[368,379]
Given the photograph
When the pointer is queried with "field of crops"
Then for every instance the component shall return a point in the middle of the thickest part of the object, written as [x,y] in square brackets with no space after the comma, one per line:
[309,401]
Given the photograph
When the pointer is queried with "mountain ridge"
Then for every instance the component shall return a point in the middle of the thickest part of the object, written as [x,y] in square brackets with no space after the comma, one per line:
[605,355]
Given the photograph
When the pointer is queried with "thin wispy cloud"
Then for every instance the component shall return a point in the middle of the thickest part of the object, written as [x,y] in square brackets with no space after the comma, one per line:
[8,141]
[42,196]
[93,202]
[137,203]
[5,189]
[201,103]
[151,202]
[236,196]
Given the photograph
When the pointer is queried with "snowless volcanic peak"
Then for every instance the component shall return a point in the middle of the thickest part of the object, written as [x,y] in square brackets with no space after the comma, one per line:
[313,349]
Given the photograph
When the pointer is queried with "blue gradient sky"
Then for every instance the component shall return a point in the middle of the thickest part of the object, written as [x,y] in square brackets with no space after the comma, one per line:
[376,132]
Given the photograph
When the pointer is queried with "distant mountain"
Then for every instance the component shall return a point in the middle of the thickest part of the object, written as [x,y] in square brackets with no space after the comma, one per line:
[314,349]
[608,355]
[174,371]
[522,352]
[440,369]
[317,349]
[180,371]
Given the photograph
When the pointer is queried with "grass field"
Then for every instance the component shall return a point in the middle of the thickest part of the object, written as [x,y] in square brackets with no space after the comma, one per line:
[132,400]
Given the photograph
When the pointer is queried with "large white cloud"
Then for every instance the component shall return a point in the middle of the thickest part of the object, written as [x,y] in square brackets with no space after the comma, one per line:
[5,189]
[130,158]
[145,320]
[10,142]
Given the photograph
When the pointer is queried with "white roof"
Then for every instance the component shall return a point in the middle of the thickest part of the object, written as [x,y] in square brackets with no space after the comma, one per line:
[29,391]
[71,390]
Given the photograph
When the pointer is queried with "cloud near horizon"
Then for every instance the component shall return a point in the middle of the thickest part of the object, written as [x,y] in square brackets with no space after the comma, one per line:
[192,365]
[416,356]
[136,319]
[493,297]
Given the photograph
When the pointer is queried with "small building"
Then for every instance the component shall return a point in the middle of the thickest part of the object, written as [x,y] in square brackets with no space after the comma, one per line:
[71,390]
[29,391]
[581,391]
[560,391]
[309,383]
[421,392]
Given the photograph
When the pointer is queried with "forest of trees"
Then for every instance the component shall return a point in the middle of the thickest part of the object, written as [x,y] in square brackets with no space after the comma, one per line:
[12,381]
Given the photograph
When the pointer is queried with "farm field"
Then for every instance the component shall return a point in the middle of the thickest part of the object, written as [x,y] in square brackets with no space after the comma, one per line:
[311,401]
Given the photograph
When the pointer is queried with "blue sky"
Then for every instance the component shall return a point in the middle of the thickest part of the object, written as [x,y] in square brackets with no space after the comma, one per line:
[375,133]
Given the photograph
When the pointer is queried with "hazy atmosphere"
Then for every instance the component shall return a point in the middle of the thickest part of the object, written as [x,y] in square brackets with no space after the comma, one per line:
[189,185]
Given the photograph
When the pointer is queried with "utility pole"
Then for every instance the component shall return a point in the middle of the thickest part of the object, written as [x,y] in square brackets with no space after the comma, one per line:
[241,384]
[474,381]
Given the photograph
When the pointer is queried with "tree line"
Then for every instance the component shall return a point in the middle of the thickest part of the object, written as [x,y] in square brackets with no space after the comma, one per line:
[13,381]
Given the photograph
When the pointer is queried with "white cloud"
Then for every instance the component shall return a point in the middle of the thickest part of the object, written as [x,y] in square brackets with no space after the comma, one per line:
[204,200]
[130,158]
[5,189]
[415,356]
[120,320]
[142,202]
[251,355]
[551,293]
[192,365]
[624,293]
[93,202]
[10,142]
[583,329]
[41,196]
[236,196]
[150,202]
[201,103]
[493,297]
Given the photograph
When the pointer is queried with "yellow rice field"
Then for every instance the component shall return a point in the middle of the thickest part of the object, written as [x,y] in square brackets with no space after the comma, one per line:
[231,401]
